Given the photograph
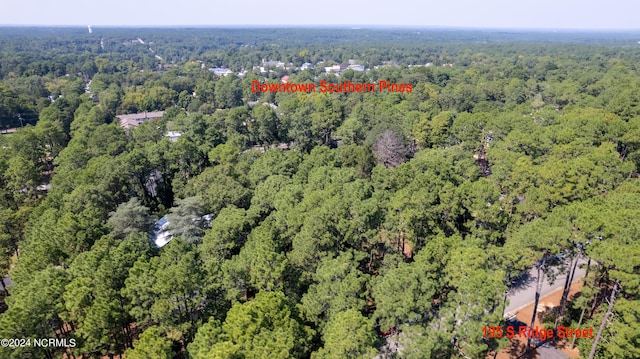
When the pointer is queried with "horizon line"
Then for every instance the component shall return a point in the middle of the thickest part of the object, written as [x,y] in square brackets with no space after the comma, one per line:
[341,26]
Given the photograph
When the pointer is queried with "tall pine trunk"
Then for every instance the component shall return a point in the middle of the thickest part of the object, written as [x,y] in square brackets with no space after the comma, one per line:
[567,288]
[573,340]
[540,281]
[506,292]
[4,289]
[586,274]
[604,321]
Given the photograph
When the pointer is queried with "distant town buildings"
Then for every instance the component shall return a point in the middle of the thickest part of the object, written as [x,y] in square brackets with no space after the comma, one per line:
[278,64]
[220,71]
[135,119]
[337,69]
[267,66]
[355,67]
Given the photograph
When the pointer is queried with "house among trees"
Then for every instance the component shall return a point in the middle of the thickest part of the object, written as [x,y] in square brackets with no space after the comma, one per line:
[335,68]
[166,228]
[161,235]
[220,71]
[278,64]
[173,135]
[135,119]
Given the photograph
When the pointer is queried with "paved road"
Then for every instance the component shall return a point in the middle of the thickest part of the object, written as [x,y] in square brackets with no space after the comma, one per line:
[547,351]
[524,293]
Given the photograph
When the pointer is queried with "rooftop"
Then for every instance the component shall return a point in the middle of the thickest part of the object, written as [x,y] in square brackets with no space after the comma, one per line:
[135,119]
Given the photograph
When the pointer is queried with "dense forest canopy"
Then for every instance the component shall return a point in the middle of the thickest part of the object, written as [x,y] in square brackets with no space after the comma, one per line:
[313,225]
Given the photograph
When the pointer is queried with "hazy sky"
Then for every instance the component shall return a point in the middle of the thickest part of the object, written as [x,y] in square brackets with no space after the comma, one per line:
[547,14]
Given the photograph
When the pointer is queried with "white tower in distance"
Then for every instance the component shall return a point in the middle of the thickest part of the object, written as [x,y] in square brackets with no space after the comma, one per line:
[89,27]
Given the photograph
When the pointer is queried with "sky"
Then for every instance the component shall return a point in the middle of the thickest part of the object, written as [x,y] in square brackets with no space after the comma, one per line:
[508,14]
